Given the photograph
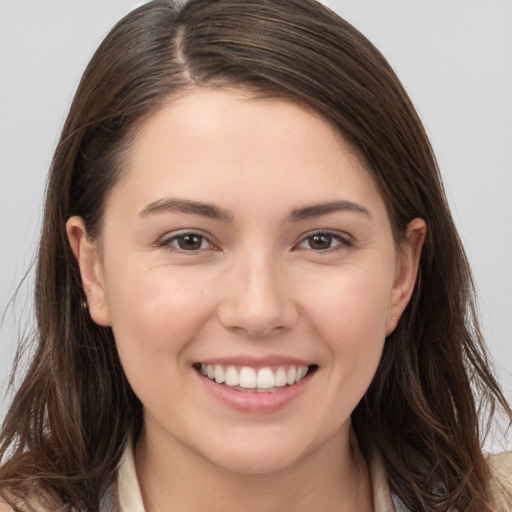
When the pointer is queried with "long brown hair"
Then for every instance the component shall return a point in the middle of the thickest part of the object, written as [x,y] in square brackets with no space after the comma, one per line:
[74,411]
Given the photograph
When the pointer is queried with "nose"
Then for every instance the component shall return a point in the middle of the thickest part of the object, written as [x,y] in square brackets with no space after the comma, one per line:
[256,297]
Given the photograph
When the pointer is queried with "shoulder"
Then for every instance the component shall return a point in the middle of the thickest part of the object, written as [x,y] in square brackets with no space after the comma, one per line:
[501,469]
[501,480]
[7,502]
[4,507]
[35,503]
[16,506]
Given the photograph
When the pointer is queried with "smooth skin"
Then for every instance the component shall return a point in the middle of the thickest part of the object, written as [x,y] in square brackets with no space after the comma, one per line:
[287,251]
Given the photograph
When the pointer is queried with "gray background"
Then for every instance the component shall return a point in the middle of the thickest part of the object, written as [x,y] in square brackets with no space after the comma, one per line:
[453,56]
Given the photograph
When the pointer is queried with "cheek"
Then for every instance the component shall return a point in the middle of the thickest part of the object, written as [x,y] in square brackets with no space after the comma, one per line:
[351,303]
[155,317]
[154,312]
[349,314]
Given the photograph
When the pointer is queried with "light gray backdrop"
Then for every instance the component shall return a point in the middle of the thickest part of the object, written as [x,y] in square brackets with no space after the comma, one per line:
[453,56]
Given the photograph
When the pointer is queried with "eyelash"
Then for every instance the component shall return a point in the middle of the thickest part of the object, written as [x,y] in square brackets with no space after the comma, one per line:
[343,242]
[169,241]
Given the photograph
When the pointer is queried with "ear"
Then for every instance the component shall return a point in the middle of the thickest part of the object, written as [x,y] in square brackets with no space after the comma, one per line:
[406,270]
[91,270]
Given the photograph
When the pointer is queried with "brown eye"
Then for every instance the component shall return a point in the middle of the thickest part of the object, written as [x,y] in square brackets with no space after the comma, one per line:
[190,242]
[320,242]
[324,242]
[187,242]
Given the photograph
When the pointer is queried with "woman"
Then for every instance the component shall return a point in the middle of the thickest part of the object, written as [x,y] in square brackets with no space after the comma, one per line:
[249,279]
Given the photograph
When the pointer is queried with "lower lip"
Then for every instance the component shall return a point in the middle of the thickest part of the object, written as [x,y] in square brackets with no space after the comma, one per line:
[254,402]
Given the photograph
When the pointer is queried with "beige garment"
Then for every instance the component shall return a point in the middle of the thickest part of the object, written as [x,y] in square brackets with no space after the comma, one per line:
[501,484]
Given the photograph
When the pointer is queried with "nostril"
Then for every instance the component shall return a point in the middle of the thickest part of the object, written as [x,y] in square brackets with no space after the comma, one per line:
[257,322]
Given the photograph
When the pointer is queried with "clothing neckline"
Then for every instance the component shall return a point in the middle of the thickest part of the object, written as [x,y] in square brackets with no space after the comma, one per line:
[129,496]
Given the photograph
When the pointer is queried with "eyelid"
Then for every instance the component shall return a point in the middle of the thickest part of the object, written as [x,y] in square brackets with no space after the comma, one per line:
[345,240]
[166,240]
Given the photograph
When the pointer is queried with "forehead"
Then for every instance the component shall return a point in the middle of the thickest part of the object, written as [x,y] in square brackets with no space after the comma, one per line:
[213,144]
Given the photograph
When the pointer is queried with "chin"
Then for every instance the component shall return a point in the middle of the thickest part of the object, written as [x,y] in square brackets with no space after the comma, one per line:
[255,461]
[261,452]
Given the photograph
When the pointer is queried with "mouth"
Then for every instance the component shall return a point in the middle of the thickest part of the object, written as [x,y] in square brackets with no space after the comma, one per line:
[268,379]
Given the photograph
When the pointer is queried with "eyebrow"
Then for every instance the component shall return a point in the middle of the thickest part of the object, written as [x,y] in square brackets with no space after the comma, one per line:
[317,210]
[214,212]
[189,207]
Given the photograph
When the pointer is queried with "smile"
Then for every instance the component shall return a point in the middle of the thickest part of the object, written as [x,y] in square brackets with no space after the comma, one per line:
[259,380]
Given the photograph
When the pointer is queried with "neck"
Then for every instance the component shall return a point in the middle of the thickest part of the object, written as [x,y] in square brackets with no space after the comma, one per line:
[333,478]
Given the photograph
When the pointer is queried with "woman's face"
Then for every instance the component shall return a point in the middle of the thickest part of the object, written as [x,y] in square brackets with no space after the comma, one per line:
[245,241]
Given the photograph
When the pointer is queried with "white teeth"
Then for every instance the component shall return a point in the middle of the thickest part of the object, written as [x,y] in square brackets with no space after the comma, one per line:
[263,379]
[280,378]
[231,377]
[290,375]
[247,378]
[301,373]
[219,374]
